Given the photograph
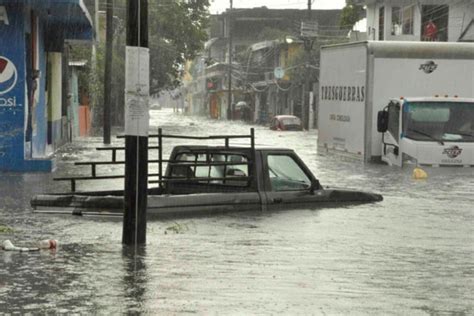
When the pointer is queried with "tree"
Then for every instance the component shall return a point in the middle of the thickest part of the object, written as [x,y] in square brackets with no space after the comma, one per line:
[351,13]
[177,33]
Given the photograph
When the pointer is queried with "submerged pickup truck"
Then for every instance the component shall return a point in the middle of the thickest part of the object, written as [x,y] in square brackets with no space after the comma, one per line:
[214,179]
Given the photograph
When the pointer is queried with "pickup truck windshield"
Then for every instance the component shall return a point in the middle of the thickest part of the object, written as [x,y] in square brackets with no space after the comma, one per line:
[439,121]
[285,174]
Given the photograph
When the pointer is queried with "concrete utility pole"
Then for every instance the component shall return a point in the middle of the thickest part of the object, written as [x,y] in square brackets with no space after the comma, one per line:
[93,104]
[305,91]
[230,106]
[108,69]
[136,145]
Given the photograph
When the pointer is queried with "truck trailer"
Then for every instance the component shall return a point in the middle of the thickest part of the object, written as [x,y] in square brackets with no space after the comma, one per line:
[429,85]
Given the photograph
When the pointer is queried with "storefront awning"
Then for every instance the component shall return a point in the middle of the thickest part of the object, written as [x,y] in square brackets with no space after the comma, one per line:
[68,19]
[69,16]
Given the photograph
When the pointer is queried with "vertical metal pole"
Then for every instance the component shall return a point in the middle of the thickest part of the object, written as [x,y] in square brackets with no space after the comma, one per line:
[94,57]
[230,107]
[252,155]
[303,99]
[108,70]
[136,147]
[160,158]
[306,88]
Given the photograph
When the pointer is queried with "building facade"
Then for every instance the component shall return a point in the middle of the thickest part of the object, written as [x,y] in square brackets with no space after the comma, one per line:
[34,87]
[421,20]
[258,48]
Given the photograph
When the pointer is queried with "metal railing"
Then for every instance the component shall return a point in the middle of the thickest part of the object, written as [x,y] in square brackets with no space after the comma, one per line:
[167,179]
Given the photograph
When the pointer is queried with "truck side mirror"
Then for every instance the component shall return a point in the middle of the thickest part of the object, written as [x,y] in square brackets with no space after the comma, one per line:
[382,121]
[314,186]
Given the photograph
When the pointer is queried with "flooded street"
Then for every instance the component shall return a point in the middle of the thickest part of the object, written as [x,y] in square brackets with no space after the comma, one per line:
[412,254]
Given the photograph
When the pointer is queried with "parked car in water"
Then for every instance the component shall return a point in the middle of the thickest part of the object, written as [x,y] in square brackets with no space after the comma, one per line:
[155,106]
[214,179]
[286,123]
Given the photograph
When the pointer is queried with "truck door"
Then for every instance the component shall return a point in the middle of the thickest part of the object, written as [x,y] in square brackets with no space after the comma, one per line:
[287,181]
[391,152]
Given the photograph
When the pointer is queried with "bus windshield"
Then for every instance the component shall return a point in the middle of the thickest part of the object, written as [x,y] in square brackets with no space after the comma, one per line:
[439,121]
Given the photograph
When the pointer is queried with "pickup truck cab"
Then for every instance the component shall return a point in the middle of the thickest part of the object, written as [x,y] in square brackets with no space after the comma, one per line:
[209,179]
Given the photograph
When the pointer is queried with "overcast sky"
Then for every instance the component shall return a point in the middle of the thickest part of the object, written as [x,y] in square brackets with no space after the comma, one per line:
[218,6]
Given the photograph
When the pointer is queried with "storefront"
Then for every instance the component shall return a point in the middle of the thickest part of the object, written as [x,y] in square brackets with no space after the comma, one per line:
[34,93]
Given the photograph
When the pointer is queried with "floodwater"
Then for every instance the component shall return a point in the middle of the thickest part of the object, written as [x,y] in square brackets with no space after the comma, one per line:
[412,254]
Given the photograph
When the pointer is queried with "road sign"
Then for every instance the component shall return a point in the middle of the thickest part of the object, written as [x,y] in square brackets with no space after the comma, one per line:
[279,72]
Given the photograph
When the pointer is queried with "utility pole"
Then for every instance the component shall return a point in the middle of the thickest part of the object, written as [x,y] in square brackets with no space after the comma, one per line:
[136,123]
[108,69]
[230,106]
[94,60]
[305,91]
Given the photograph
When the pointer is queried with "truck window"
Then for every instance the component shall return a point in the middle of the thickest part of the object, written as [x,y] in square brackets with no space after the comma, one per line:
[394,120]
[222,174]
[285,174]
[446,121]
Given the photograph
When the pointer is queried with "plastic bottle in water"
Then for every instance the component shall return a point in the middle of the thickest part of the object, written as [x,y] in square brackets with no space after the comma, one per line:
[48,244]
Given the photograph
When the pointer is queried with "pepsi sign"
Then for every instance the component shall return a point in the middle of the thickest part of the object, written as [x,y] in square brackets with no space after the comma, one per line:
[8,80]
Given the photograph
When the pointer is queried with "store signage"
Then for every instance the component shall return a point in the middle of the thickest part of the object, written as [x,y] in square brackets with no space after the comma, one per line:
[3,15]
[343,93]
[137,90]
[8,80]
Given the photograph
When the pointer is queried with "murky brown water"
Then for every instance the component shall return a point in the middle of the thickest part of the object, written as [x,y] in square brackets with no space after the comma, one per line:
[412,254]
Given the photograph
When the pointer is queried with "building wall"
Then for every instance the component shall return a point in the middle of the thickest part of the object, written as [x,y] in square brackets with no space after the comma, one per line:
[12,89]
[23,144]
[461,12]
[31,85]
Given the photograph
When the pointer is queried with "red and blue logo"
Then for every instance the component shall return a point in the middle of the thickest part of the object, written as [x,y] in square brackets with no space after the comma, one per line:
[8,75]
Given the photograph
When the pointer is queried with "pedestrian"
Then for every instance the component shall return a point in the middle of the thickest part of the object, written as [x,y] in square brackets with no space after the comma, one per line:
[430,31]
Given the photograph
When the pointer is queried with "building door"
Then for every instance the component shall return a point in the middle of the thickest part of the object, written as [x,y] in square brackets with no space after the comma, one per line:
[214,107]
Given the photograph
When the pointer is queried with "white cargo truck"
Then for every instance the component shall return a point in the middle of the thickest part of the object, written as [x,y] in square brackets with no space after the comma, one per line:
[424,92]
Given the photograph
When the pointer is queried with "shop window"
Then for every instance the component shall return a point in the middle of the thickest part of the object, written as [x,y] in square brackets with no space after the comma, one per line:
[434,21]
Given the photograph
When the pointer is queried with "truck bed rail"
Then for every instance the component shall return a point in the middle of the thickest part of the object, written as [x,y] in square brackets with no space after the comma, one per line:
[160,161]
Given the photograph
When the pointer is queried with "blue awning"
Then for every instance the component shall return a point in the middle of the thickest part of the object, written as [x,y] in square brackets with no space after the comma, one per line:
[69,16]
[69,19]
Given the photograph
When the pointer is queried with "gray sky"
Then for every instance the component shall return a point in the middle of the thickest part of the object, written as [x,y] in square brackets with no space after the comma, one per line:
[218,6]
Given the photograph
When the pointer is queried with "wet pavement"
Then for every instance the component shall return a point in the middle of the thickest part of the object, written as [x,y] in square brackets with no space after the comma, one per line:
[412,254]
